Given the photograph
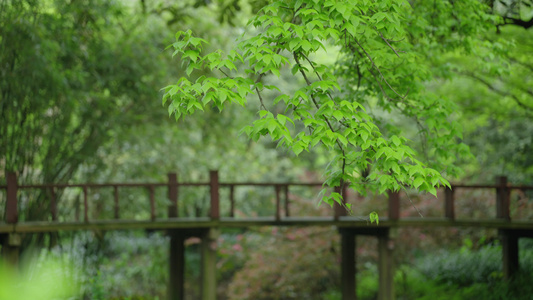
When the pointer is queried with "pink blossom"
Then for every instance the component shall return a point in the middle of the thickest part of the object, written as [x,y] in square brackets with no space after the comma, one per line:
[236,247]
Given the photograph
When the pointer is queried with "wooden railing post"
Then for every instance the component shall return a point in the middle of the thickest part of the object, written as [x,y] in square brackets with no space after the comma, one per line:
[503,194]
[11,203]
[394,205]
[152,203]
[278,202]
[287,201]
[232,201]
[53,204]
[449,204]
[340,210]
[85,205]
[173,195]
[214,186]
[116,200]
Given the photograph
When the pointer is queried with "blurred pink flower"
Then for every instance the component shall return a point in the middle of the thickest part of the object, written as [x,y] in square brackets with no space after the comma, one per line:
[236,247]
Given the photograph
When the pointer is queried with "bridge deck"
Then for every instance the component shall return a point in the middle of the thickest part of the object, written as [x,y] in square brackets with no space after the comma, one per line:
[186,223]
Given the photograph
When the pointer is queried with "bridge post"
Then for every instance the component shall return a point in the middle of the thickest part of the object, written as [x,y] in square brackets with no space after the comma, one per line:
[394,205]
[503,195]
[209,282]
[348,269]
[173,195]
[176,266]
[11,248]
[176,290]
[214,213]
[386,268]
[11,242]
[509,240]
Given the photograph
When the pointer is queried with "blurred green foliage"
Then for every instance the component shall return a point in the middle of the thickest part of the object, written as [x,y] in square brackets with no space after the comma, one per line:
[80,102]
[45,278]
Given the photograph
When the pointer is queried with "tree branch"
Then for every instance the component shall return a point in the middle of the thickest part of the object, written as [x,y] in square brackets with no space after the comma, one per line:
[518,22]
[326,119]
[529,109]
[379,71]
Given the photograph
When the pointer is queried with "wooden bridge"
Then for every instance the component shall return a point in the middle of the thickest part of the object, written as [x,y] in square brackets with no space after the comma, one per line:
[206,228]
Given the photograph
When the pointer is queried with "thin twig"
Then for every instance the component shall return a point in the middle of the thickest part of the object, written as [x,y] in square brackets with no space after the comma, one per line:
[379,71]
[260,99]
[387,42]
[414,206]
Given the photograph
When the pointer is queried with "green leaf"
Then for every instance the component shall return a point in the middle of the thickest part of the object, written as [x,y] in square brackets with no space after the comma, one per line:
[338,115]
[297,148]
[396,141]
[364,135]
[417,182]
[374,217]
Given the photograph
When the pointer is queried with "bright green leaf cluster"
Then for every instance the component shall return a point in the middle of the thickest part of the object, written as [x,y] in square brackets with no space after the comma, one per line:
[379,63]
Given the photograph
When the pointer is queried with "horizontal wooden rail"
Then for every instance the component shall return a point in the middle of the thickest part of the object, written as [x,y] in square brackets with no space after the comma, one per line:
[205,222]
[228,184]
[280,196]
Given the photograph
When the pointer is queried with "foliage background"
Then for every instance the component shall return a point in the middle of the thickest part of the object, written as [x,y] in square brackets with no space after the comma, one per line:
[80,102]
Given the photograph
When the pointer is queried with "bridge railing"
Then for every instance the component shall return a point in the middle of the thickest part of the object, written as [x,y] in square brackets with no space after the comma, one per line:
[281,193]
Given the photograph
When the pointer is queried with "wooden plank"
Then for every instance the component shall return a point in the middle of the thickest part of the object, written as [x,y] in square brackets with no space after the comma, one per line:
[348,268]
